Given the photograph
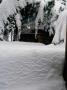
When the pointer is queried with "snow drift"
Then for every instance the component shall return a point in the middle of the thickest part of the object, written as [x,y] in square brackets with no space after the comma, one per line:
[31,66]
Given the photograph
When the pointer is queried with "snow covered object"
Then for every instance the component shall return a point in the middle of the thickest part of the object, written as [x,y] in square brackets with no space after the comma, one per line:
[60,28]
[9,7]
[49,12]
[59,21]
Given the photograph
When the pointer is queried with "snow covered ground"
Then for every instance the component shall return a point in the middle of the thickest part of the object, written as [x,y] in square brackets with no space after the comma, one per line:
[31,66]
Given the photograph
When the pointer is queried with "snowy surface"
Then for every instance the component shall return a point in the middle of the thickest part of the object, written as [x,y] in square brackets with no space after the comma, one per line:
[31,66]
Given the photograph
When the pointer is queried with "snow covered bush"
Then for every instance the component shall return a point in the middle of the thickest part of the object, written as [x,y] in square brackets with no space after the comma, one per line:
[60,28]
[60,24]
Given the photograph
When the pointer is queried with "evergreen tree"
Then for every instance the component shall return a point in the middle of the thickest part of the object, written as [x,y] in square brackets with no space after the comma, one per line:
[48,14]
[49,17]
[6,30]
[29,14]
[12,27]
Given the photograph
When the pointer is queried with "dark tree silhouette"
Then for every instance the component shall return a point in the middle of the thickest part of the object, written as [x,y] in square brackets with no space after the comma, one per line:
[0,1]
[65,63]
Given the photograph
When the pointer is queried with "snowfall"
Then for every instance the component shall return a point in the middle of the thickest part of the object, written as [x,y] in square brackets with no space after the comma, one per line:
[31,66]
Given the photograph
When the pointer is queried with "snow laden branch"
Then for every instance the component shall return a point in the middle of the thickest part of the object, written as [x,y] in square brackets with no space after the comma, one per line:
[11,18]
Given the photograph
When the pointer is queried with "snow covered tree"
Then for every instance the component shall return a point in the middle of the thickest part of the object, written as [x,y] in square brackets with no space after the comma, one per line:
[48,14]
[29,13]
[12,27]
[60,25]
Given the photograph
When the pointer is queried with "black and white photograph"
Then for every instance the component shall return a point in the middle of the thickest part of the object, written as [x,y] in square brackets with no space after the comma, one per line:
[33,46]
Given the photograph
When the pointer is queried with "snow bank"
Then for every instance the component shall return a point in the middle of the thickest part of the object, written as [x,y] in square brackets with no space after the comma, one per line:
[31,66]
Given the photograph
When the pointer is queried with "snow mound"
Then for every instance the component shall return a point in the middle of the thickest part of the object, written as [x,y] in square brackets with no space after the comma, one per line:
[31,66]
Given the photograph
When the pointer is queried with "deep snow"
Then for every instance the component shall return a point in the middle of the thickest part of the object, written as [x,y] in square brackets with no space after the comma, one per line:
[31,66]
